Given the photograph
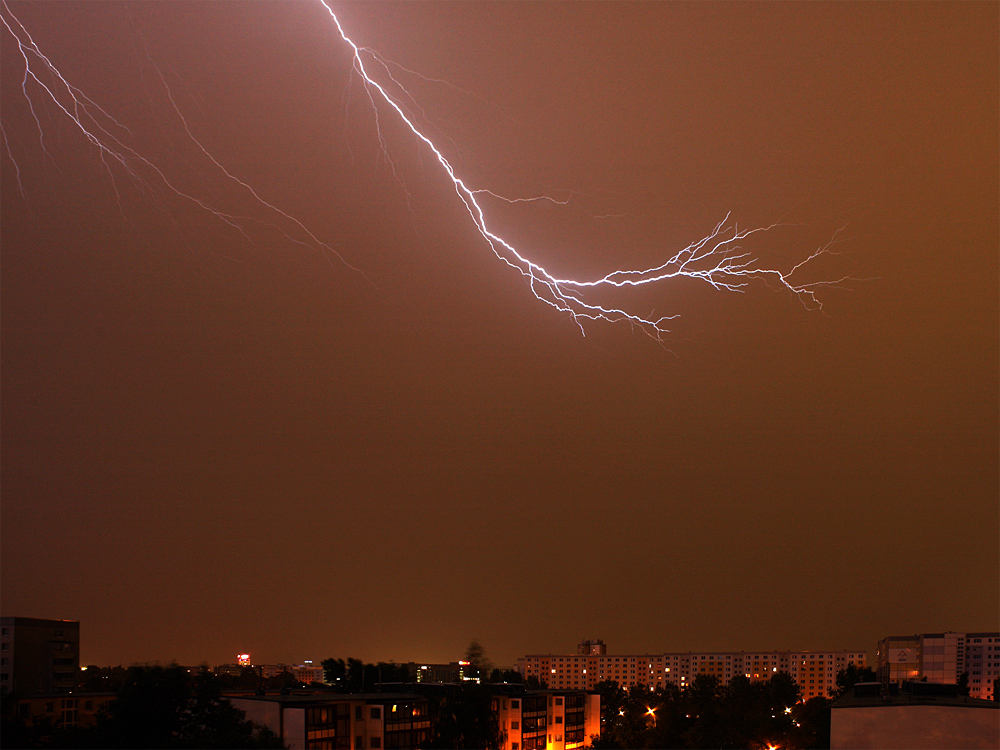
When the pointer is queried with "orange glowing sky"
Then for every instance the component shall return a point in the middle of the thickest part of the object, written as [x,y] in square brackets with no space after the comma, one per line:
[212,445]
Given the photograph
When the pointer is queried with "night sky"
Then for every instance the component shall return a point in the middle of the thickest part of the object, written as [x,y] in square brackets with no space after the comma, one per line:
[213,443]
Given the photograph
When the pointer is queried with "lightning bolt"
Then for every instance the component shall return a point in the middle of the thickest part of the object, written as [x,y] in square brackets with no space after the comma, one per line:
[94,123]
[717,259]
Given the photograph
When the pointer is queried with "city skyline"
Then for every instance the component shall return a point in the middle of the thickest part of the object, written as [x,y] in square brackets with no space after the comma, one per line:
[222,439]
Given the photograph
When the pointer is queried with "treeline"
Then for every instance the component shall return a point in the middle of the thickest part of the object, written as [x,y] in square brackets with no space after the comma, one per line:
[707,714]
[742,714]
[162,707]
[94,679]
[355,676]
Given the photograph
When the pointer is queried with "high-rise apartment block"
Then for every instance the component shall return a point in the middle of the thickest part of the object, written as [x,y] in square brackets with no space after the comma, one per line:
[592,648]
[943,658]
[38,656]
[815,672]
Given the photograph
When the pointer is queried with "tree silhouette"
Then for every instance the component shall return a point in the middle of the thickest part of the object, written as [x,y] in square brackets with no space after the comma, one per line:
[156,707]
[164,707]
[741,714]
[851,676]
[480,665]
[464,718]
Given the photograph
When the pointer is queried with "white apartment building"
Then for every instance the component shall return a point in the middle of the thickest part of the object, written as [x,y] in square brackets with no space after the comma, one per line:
[815,672]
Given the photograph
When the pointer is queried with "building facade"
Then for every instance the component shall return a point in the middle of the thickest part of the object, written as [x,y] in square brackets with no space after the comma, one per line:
[307,673]
[815,672]
[63,711]
[548,719]
[344,722]
[528,720]
[428,673]
[39,656]
[941,658]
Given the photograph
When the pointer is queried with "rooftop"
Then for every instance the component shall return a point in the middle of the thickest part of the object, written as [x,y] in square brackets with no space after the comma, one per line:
[851,700]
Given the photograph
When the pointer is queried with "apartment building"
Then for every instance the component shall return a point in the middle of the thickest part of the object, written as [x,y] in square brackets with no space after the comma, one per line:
[529,720]
[62,710]
[941,658]
[815,672]
[548,719]
[455,671]
[39,656]
[307,673]
[319,721]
